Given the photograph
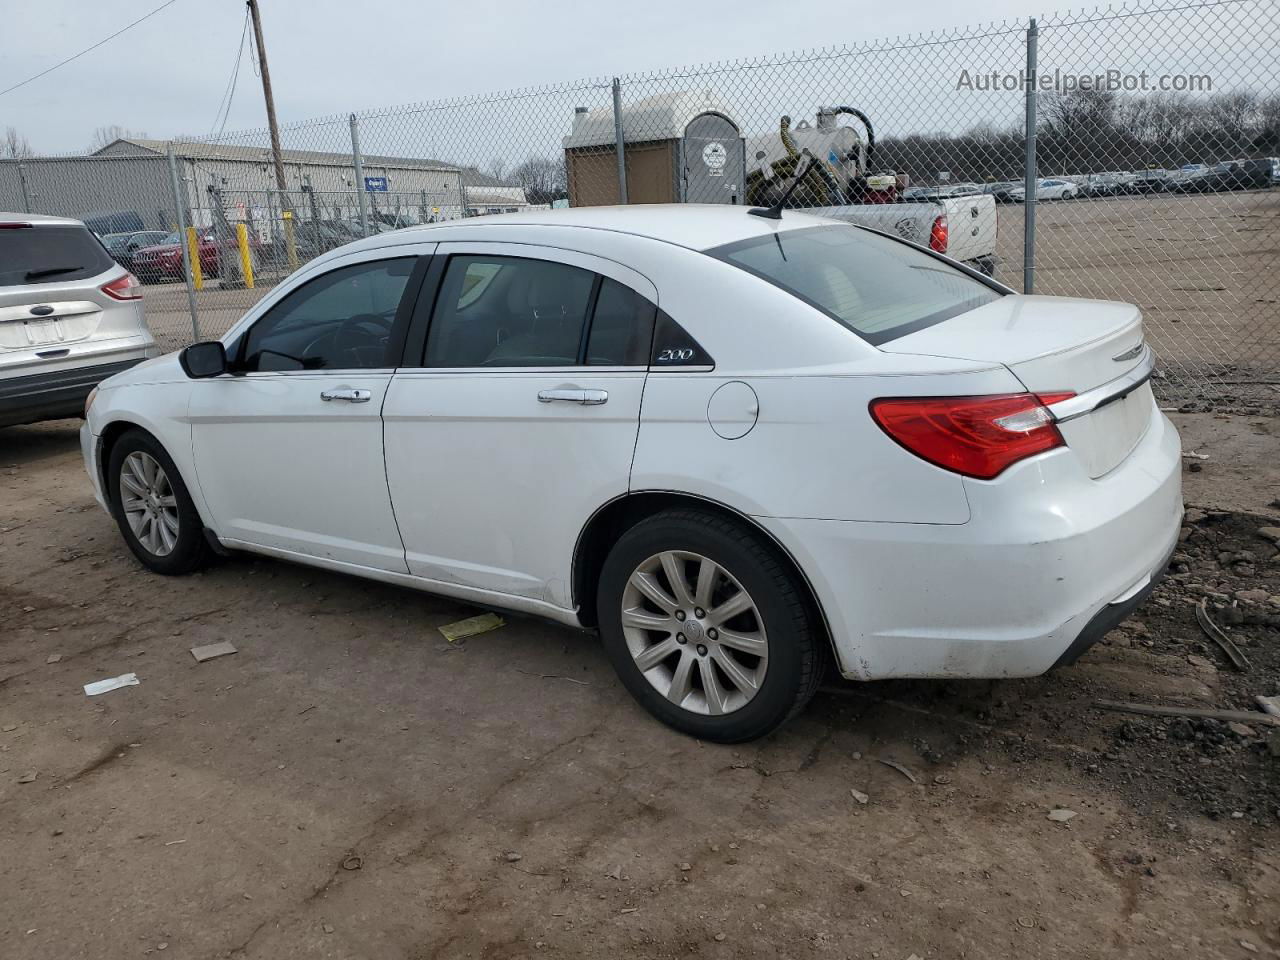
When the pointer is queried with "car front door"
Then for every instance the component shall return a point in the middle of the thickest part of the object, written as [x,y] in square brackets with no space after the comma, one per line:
[521,419]
[288,448]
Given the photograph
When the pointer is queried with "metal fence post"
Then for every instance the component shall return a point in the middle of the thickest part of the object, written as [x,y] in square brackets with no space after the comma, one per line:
[619,146]
[359,163]
[1029,168]
[180,207]
[26,197]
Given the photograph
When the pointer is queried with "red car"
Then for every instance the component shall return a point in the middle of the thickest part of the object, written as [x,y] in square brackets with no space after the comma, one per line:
[163,261]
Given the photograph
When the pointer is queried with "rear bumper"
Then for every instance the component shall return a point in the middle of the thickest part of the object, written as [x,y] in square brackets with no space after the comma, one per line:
[54,394]
[1049,561]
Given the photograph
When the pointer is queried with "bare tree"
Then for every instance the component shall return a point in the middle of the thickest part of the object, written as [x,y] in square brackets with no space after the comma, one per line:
[104,136]
[542,178]
[15,146]
[498,168]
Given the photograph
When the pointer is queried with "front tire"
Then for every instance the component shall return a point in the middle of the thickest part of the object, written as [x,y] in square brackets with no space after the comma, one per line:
[707,627]
[153,508]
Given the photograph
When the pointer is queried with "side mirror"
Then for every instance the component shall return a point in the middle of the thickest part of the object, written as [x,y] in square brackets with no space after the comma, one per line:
[205,359]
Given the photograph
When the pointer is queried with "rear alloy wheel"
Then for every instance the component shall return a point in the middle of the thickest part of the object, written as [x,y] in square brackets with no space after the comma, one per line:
[153,508]
[707,627]
[703,644]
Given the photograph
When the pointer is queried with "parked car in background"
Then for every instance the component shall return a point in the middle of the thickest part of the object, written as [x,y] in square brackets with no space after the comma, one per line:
[1124,180]
[315,237]
[69,317]
[163,260]
[944,191]
[1046,189]
[1002,191]
[1099,184]
[1226,175]
[122,246]
[826,443]
[1150,181]
[1251,174]
[113,221]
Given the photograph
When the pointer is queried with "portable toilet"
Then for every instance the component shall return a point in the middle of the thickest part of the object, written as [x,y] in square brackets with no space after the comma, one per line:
[681,147]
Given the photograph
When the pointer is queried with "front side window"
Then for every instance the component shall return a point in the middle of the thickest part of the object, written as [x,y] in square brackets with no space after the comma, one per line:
[509,312]
[877,287]
[341,320]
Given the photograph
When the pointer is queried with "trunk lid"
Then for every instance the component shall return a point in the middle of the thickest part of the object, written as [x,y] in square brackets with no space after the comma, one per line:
[1055,344]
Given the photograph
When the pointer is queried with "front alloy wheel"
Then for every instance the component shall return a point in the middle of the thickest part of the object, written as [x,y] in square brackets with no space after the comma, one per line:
[152,506]
[149,504]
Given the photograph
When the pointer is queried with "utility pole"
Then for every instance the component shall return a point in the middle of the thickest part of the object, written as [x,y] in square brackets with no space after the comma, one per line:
[286,204]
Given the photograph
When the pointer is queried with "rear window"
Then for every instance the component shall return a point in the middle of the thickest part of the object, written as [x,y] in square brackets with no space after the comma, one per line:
[879,288]
[30,255]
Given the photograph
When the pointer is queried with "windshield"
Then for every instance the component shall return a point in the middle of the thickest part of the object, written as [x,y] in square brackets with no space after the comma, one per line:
[878,287]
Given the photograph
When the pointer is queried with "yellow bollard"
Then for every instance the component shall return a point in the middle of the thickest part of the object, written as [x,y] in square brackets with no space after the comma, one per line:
[193,245]
[290,241]
[246,261]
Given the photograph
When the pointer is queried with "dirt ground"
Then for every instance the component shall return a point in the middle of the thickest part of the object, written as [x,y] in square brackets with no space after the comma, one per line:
[1202,267]
[348,785]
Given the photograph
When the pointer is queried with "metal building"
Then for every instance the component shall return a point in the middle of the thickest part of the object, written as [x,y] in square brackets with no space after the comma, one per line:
[131,177]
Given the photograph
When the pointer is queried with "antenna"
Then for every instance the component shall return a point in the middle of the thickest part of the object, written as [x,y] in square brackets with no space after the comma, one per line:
[775,212]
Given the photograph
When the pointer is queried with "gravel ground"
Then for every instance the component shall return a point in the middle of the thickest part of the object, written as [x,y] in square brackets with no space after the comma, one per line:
[348,785]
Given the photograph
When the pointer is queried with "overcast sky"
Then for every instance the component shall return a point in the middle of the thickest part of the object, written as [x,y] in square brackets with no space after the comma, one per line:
[167,75]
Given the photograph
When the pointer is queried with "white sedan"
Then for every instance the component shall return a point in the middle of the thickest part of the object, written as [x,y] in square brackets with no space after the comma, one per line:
[741,448]
[1047,190]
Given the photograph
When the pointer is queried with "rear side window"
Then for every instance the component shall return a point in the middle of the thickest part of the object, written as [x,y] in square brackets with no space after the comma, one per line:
[621,327]
[509,312]
[879,288]
[33,255]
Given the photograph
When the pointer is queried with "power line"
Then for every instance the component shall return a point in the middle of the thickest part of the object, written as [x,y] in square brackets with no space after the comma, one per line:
[77,56]
[229,94]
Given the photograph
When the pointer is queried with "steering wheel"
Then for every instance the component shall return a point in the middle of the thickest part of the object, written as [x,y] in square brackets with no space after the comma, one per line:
[356,333]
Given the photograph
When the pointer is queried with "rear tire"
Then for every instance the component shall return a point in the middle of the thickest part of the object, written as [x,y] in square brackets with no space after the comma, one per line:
[729,654]
[153,508]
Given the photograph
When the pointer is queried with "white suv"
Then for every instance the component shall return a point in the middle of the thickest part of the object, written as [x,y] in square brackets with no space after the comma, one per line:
[70,317]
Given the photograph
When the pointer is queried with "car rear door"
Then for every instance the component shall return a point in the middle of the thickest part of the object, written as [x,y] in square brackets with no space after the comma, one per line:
[517,417]
[288,449]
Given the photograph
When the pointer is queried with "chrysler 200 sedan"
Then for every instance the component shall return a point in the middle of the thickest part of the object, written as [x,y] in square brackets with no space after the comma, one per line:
[740,448]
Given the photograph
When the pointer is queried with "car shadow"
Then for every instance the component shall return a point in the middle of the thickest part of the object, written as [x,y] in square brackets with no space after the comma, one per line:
[34,442]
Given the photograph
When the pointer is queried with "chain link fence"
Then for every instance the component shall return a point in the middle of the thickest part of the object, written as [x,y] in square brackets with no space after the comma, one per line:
[1150,174]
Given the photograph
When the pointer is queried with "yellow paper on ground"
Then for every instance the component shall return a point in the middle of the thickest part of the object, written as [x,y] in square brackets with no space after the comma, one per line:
[453,632]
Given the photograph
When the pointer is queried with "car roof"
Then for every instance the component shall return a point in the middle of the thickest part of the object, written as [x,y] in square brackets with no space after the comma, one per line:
[695,226]
[40,219]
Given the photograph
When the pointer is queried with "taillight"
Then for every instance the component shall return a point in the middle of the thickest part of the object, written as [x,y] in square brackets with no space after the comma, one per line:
[126,287]
[975,436]
[938,235]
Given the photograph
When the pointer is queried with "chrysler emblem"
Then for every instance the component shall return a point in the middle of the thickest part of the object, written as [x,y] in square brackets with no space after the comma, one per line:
[1128,354]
